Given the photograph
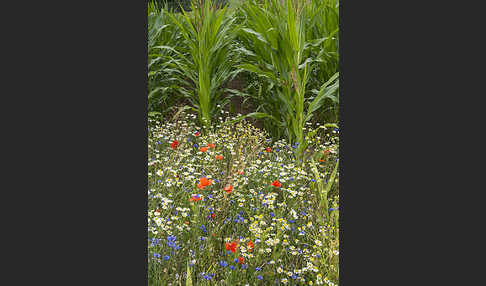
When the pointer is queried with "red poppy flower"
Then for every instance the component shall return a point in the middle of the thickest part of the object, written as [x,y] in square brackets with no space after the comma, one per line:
[240,172]
[228,189]
[268,149]
[231,246]
[211,145]
[204,149]
[174,144]
[197,133]
[250,245]
[214,234]
[219,157]
[213,215]
[195,199]
[276,184]
[204,182]
[241,260]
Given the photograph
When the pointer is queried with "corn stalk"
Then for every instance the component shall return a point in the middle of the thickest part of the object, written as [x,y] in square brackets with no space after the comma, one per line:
[206,59]
[276,49]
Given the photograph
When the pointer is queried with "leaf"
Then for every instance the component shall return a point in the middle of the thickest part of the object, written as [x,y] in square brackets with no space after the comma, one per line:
[189,276]
[154,113]
[155,91]
[308,60]
[331,179]
[256,34]
[325,92]
[258,71]
[252,115]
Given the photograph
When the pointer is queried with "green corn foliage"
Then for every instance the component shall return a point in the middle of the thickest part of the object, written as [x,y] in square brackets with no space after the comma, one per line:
[277,49]
[163,77]
[323,44]
[206,57]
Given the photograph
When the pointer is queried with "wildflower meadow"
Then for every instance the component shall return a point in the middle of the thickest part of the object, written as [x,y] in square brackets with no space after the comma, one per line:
[233,207]
[247,197]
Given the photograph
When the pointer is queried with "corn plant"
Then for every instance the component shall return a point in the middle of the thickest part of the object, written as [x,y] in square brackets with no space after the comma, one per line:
[323,43]
[276,49]
[206,57]
[163,78]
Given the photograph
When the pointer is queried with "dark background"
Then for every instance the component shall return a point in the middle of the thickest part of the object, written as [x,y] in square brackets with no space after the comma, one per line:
[74,143]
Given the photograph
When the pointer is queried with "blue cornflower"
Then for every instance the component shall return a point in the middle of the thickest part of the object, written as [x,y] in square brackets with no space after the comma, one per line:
[272,214]
[313,180]
[235,260]
[155,241]
[277,149]
[158,142]
[244,266]
[195,145]
[166,257]
[292,221]
[157,255]
[203,228]
[258,269]
[259,277]
[294,276]
[223,263]
[231,266]
[291,178]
